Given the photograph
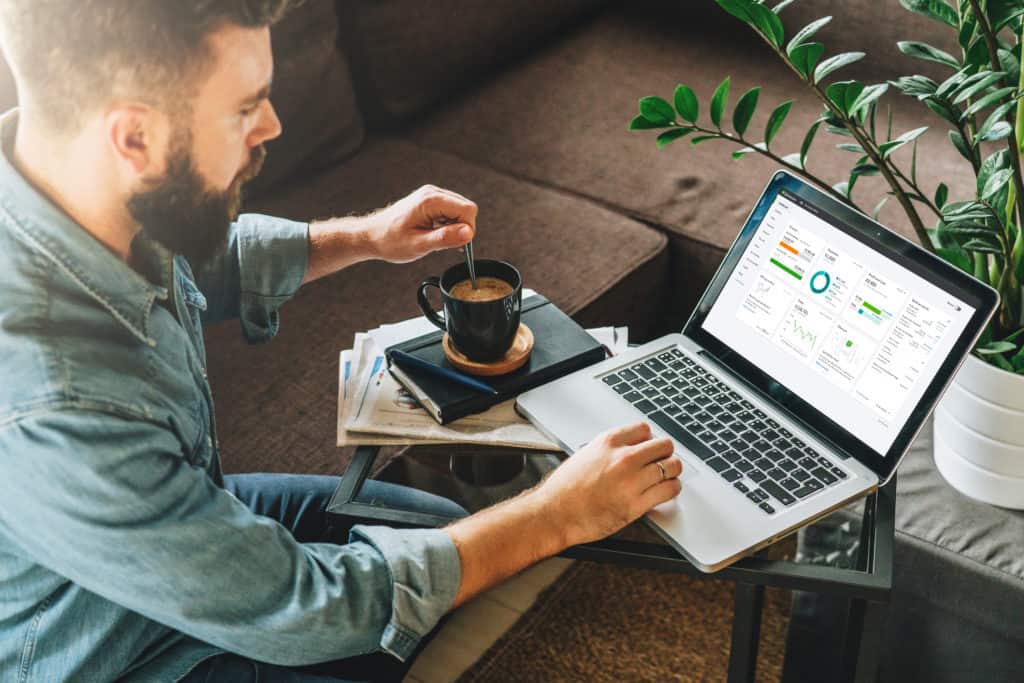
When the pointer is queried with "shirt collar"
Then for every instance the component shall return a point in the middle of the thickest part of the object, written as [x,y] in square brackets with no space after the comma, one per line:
[92,267]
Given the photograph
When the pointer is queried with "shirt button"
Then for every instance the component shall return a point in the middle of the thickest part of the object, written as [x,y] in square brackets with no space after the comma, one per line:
[204,373]
[209,442]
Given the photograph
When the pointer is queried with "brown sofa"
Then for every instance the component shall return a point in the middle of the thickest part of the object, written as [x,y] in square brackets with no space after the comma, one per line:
[523,106]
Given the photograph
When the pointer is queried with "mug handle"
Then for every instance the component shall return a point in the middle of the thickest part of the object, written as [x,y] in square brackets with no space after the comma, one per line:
[428,310]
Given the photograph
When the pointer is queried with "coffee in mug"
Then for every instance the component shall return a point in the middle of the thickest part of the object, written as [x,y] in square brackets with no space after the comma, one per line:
[481,323]
[487,289]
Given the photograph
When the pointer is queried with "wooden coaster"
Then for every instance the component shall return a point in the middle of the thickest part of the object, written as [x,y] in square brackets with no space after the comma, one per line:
[514,358]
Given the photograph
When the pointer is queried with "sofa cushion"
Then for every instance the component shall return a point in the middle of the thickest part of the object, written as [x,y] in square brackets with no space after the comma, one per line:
[276,403]
[408,55]
[312,94]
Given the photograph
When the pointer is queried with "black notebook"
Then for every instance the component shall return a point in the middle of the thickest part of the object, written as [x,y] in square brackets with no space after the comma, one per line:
[560,346]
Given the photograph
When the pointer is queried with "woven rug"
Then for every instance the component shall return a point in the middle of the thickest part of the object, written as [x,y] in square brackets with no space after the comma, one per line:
[600,622]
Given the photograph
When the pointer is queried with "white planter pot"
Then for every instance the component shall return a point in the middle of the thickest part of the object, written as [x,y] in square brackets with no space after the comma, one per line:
[979,434]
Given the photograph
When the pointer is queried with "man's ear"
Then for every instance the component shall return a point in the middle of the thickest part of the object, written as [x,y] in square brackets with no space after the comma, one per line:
[137,136]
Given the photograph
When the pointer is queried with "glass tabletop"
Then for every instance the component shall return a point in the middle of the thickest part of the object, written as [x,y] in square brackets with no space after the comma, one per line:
[848,552]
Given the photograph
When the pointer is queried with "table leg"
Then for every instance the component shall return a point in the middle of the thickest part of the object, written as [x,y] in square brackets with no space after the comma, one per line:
[746,632]
[863,642]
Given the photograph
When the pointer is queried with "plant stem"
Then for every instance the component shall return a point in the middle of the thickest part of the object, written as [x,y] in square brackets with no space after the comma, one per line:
[867,145]
[1011,141]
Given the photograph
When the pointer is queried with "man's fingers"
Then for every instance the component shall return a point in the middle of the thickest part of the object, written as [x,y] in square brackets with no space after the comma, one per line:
[630,434]
[659,493]
[449,236]
[671,466]
[442,204]
[652,450]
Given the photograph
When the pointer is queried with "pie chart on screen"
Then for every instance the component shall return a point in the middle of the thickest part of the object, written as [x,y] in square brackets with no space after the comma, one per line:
[820,281]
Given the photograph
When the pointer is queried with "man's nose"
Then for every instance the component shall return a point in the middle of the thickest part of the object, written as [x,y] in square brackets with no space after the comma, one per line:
[269,128]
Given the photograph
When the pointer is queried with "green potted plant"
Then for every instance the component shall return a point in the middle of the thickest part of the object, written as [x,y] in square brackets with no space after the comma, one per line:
[979,426]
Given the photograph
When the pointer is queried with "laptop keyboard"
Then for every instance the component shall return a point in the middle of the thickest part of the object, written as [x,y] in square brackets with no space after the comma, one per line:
[747,448]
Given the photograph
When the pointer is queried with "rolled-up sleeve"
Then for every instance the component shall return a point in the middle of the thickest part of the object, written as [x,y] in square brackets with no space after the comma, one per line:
[111,504]
[425,572]
[262,266]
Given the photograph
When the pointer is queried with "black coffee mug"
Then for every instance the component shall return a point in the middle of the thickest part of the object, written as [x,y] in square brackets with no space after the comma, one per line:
[481,330]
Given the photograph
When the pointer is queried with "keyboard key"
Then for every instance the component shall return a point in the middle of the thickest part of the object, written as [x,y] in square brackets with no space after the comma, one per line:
[798,443]
[787,465]
[655,364]
[715,409]
[727,434]
[730,455]
[794,454]
[770,434]
[790,484]
[676,431]
[758,426]
[785,432]
[759,414]
[691,392]
[838,472]
[741,487]
[673,410]
[764,463]
[812,486]
[716,426]
[762,446]
[757,476]
[810,451]
[628,375]
[731,475]
[778,493]
[800,475]
[774,454]
[824,475]
[670,375]
[744,466]
[659,382]
[633,396]
[670,391]
[666,357]
[807,462]
[611,380]
[645,407]
[650,392]
[749,436]
[622,388]
[757,495]
[718,464]
[662,402]
[767,508]
[727,418]
[776,474]
[734,396]
[677,366]
[643,371]
[772,423]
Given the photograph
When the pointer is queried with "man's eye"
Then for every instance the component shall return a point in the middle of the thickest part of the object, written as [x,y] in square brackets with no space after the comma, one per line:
[248,111]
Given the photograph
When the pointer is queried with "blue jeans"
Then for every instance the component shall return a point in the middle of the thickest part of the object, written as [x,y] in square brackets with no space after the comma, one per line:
[299,502]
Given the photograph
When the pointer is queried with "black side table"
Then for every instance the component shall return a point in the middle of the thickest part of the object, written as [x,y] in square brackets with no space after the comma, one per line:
[848,554]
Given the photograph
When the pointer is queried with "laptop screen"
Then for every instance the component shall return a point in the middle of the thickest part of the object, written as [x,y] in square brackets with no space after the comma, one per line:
[854,328]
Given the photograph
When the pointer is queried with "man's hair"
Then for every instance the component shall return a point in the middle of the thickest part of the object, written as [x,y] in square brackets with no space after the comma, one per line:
[72,55]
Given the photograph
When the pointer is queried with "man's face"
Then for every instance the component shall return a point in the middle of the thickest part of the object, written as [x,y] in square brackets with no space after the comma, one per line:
[189,209]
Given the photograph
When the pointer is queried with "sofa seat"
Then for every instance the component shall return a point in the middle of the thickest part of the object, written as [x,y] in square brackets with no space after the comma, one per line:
[560,117]
[276,403]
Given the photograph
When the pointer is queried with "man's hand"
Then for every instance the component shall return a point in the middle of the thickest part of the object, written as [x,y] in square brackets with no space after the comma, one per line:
[428,220]
[610,482]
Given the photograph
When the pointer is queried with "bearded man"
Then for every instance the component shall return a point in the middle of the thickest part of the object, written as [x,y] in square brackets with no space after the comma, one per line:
[125,553]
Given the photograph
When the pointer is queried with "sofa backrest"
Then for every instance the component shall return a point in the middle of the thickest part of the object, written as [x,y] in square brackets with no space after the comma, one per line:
[408,54]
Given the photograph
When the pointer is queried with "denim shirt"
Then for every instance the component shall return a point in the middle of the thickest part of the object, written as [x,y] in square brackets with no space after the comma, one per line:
[121,555]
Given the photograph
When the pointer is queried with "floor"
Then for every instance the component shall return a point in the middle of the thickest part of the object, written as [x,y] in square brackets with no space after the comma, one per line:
[475,626]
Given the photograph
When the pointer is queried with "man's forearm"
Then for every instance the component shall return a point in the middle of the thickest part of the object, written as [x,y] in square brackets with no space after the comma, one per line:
[503,540]
[337,243]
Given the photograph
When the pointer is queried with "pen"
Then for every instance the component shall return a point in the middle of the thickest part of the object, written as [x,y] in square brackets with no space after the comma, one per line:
[411,362]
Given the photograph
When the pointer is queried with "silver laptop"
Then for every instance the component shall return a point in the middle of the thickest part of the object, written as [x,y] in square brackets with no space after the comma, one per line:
[807,368]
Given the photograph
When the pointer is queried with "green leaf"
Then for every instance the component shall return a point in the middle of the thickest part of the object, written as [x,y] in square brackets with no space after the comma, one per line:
[878,208]
[745,110]
[739,9]
[915,86]
[913,164]
[864,170]
[933,9]
[1000,130]
[806,57]
[782,5]
[955,256]
[998,115]
[805,33]
[983,246]
[976,58]
[953,82]
[867,97]
[1002,12]
[703,138]
[641,123]
[941,193]
[775,121]
[887,148]
[966,33]
[943,110]
[718,101]
[837,62]
[913,48]
[990,165]
[793,159]
[850,147]
[768,23]
[996,182]
[805,146]
[844,93]
[977,86]
[657,110]
[986,101]
[1009,61]
[672,135]
[742,152]
[686,103]
[961,146]
[995,347]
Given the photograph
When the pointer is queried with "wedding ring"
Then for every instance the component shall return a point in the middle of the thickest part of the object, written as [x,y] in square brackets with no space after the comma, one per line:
[662,468]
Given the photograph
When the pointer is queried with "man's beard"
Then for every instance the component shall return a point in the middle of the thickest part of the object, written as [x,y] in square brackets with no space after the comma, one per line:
[183,214]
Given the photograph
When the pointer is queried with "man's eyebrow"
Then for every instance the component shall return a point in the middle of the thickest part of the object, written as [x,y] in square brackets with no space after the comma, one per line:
[263,94]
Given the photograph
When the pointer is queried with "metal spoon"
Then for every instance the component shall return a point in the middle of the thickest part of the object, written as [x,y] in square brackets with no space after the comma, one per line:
[470,263]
